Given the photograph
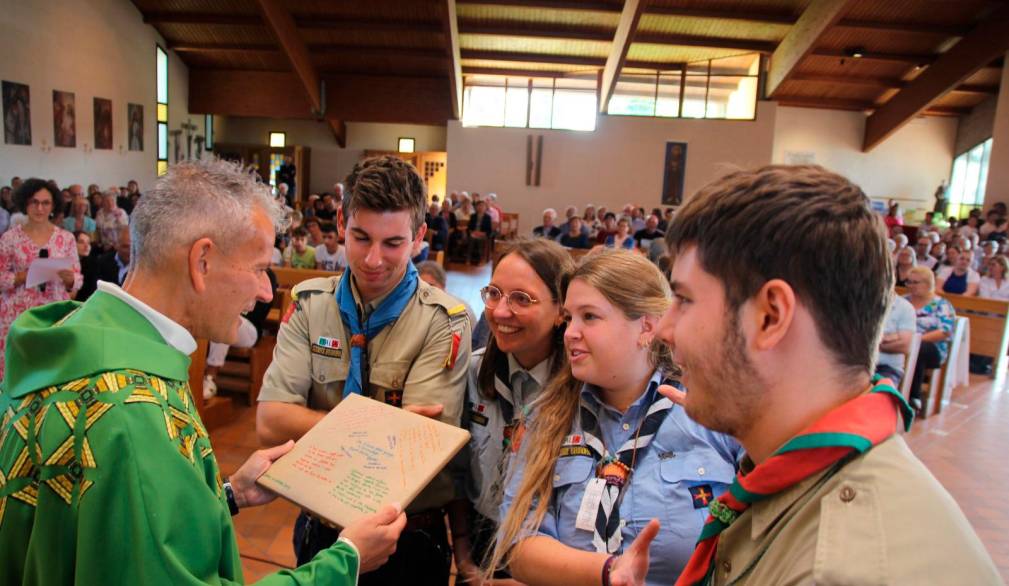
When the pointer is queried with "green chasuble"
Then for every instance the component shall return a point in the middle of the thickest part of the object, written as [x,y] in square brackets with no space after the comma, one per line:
[107,475]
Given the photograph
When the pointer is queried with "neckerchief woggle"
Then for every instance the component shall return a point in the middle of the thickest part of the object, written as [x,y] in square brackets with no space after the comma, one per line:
[606,535]
[386,313]
[852,428]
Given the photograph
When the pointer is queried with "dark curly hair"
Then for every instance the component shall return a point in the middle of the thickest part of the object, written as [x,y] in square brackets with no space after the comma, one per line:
[30,187]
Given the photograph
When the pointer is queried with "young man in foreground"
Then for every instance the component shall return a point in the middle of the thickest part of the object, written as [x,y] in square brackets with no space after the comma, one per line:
[781,281]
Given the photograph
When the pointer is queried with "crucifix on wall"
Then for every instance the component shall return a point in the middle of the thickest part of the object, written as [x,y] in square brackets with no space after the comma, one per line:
[177,136]
[189,127]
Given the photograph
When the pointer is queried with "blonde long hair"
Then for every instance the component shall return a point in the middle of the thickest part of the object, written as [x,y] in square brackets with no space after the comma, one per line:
[634,286]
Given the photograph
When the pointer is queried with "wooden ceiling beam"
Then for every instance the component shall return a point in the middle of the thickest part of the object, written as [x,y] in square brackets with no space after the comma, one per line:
[524,29]
[588,62]
[622,39]
[858,105]
[223,47]
[172,17]
[721,14]
[316,48]
[981,45]
[591,5]
[349,98]
[886,83]
[339,129]
[800,41]
[825,103]
[874,82]
[282,25]
[473,54]
[905,27]
[450,26]
[915,59]
[973,88]
[760,17]
[581,33]
[303,21]
[702,41]
[511,72]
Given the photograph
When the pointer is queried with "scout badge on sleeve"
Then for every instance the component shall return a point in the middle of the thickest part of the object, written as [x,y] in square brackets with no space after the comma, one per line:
[294,306]
[456,316]
[453,353]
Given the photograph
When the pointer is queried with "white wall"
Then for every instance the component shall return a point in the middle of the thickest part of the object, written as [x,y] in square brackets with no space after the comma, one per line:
[93,48]
[907,166]
[330,163]
[621,162]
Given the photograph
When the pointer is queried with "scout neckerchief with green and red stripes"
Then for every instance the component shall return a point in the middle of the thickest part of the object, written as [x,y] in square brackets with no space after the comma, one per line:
[854,427]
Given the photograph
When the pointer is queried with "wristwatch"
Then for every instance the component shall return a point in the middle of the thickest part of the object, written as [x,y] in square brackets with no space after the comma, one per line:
[229,493]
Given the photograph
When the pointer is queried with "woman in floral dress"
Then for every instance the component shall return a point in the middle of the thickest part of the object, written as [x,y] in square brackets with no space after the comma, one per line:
[20,246]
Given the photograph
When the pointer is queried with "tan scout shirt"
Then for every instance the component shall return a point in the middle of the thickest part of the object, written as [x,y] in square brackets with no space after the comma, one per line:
[881,519]
[411,356]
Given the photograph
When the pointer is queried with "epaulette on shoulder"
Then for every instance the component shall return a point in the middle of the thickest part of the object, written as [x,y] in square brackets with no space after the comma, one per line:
[429,295]
[315,285]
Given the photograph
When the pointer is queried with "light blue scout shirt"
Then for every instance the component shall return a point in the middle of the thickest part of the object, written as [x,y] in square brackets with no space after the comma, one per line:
[488,460]
[685,468]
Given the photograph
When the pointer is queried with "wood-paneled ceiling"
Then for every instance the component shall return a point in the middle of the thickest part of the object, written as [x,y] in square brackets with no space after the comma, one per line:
[415,52]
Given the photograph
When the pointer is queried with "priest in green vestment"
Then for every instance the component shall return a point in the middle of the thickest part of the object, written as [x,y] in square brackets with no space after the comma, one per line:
[107,475]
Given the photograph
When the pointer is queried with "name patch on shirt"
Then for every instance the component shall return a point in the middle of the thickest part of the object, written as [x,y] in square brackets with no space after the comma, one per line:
[701,495]
[326,351]
[568,451]
[478,418]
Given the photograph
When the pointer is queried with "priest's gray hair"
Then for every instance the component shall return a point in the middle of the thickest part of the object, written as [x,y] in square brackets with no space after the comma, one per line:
[195,199]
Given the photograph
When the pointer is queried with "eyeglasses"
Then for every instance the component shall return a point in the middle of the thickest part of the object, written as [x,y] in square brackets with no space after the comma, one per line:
[40,203]
[518,301]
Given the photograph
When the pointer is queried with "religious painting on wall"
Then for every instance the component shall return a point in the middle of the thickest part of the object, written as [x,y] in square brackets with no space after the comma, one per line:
[17,113]
[103,123]
[64,119]
[135,124]
[675,172]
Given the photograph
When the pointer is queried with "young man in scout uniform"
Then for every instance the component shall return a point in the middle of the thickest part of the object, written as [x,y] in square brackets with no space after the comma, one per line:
[107,475]
[781,281]
[378,331]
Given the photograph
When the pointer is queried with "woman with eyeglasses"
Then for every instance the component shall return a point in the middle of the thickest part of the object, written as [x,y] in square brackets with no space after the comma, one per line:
[523,308]
[606,455]
[934,317]
[24,244]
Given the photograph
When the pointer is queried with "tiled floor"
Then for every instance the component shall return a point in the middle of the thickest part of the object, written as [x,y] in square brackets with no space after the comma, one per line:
[963,446]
